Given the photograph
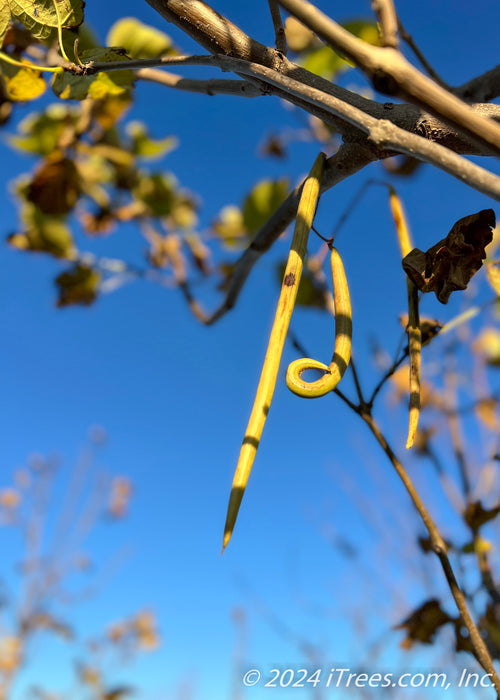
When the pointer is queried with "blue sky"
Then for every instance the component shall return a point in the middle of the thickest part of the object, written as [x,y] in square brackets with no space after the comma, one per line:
[174,398]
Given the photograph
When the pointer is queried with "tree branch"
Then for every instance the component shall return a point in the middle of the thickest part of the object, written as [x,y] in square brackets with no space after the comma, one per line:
[483,88]
[382,133]
[388,22]
[240,88]
[440,549]
[279,30]
[392,74]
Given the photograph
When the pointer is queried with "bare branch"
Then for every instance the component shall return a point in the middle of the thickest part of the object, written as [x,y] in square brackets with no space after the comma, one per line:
[388,21]
[483,88]
[405,36]
[381,132]
[279,30]
[408,117]
[213,31]
[240,88]
[440,549]
[391,73]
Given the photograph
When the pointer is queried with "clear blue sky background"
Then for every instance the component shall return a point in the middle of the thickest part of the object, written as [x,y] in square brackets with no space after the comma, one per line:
[174,398]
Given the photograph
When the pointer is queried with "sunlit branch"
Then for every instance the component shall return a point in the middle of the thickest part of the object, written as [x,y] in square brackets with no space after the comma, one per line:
[392,74]
[214,86]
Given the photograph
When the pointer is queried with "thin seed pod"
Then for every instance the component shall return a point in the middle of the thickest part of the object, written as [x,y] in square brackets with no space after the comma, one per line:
[342,350]
[400,221]
[415,347]
[413,330]
[267,382]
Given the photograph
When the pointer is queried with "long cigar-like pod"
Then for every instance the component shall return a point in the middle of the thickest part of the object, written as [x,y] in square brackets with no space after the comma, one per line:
[342,350]
[414,332]
[267,382]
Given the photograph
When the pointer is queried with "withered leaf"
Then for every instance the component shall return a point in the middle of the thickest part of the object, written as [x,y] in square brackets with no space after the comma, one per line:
[476,515]
[55,187]
[449,265]
[78,285]
[423,623]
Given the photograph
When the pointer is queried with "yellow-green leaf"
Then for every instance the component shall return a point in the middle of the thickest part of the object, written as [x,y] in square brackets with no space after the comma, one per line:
[229,226]
[157,191]
[140,40]
[43,233]
[488,345]
[493,273]
[325,62]
[145,146]
[22,84]
[41,18]
[79,285]
[5,16]
[367,31]
[299,37]
[262,202]
[40,131]
[69,86]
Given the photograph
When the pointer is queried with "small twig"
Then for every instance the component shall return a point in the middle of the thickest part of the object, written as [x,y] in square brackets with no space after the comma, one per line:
[214,86]
[454,427]
[405,36]
[279,30]
[357,384]
[388,374]
[388,21]
[439,547]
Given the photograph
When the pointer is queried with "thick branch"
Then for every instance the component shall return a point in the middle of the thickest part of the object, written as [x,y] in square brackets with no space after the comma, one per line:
[220,36]
[483,88]
[383,133]
[392,74]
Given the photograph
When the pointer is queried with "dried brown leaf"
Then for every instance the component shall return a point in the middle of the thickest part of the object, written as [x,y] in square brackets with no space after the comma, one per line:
[449,265]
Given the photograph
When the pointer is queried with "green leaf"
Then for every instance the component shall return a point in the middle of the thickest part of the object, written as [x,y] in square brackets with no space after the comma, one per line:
[140,40]
[262,202]
[5,16]
[493,274]
[43,233]
[146,147]
[69,86]
[325,62]
[487,345]
[367,31]
[40,132]
[157,192]
[229,227]
[40,16]
[78,285]
[22,84]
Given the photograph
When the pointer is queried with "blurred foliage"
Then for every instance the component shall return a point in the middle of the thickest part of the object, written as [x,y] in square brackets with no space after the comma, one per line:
[54,557]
